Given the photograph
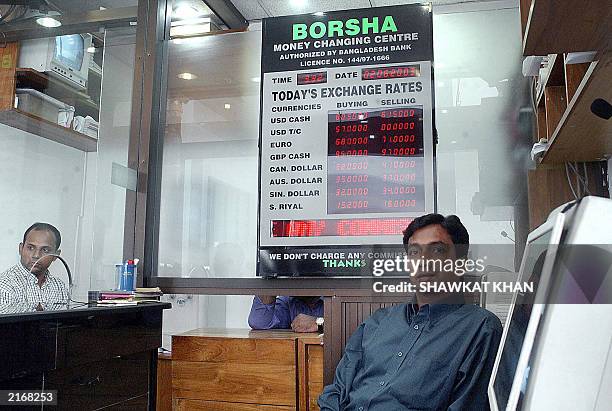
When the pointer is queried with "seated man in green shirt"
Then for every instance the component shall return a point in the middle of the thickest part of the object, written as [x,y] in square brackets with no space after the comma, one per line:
[436,354]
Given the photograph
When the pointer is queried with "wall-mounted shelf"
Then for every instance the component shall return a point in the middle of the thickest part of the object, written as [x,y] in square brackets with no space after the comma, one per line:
[551,98]
[46,129]
[565,26]
[553,77]
[580,135]
[83,103]
[12,77]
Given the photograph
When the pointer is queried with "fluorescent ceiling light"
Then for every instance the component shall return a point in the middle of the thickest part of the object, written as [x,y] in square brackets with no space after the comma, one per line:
[191,27]
[227,106]
[185,11]
[190,30]
[196,20]
[319,13]
[48,22]
[187,76]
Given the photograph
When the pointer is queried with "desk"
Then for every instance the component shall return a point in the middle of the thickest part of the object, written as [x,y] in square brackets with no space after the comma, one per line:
[96,357]
[243,370]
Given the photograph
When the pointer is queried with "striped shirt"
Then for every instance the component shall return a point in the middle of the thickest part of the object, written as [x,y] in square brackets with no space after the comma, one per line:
[19,290]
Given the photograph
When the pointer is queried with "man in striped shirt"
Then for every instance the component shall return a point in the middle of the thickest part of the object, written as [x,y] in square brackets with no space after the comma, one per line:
[28,285]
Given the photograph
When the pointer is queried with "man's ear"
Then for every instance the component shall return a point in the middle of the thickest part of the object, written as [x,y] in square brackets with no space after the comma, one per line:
[58,252]
[20,248]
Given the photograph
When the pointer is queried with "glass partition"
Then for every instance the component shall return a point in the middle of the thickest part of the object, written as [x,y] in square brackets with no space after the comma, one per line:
[208,216]
[208,219]
[65,127]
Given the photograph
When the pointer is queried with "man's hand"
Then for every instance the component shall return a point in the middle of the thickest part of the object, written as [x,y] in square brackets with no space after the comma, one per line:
[304,324]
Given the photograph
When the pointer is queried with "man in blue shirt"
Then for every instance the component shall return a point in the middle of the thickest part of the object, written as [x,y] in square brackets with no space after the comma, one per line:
[434,355]
[301,314]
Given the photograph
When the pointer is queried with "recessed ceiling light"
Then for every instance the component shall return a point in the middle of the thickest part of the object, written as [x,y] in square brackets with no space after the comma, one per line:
[298,3]
[227,106]
[187,76]
[91,49]
[444,111]
[256,79]
[453,141]
[48,22]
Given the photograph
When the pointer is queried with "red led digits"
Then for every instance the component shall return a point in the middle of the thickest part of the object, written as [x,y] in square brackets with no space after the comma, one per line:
[400,203]
[317,77]
[352,116]
[355,178]
[353,165]
[399,178]
[357,227]
[298,228]
[351,153]
[399,164]
[371,161]
[397,126]
[402,151]
[352,128]
[378,73]
[401,113]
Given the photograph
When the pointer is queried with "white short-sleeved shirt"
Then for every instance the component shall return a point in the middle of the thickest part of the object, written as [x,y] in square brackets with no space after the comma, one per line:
[19,288]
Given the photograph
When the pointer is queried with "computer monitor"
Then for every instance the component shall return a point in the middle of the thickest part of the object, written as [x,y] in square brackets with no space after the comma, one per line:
[570,364]
[64,57]
[70,50]
[554,353]
[510,372]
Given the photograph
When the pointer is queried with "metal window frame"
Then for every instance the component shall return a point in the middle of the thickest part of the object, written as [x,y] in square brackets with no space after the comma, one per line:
[146,156]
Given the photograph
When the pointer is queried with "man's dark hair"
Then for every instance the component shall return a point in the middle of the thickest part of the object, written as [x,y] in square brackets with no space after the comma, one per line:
[44,227]
[451,224]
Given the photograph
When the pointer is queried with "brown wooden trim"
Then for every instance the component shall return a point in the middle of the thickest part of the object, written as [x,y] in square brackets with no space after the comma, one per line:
[150,37]
[212,33]
[135,124]
[303,370]
[48,130]
[8,65]
[228,13]
[276,286]
[328,338]
[574,73]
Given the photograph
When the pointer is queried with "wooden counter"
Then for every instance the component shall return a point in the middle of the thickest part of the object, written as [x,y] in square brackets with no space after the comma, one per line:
[95,356]
[236,369]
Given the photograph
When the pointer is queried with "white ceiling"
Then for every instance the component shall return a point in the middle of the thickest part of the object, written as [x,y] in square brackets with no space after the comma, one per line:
[258,9]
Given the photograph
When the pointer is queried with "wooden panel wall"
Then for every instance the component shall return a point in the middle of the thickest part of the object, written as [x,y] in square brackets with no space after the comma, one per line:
[548,188]
[310,369]
[573,77]
[8,63]
[164,383]
[345,314]
[251,370]
[555,107]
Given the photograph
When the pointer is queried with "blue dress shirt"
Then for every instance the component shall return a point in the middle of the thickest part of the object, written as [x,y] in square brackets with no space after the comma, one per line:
[438,357]
[282,313]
